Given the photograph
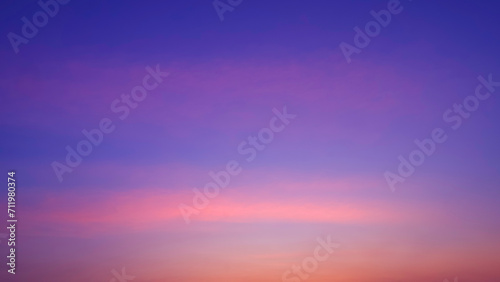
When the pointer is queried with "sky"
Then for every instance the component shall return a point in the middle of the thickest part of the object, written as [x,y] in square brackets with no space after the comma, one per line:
[240,140]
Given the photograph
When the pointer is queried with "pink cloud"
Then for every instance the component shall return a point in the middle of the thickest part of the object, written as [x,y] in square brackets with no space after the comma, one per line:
[85,214]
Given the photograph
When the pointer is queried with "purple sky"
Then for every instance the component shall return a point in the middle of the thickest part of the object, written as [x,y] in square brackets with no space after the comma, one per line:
[322,174]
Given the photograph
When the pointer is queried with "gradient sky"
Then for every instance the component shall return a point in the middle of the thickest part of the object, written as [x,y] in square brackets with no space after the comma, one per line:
[322,175]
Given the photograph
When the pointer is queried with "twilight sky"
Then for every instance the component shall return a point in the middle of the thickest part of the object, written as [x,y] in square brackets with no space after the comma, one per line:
[308,143]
